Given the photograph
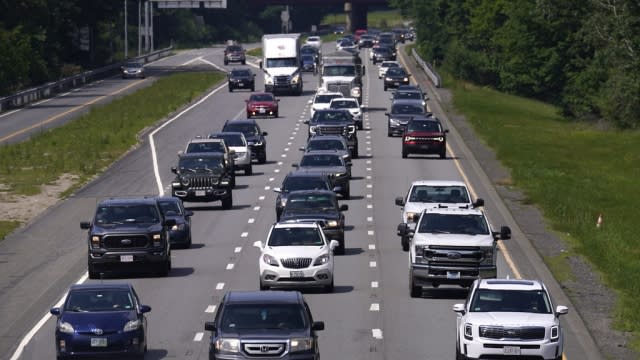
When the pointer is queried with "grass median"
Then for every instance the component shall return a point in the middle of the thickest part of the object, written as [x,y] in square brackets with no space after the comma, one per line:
[88,145]
[574,172]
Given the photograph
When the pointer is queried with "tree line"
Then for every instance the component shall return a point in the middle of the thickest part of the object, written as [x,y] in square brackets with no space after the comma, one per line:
[582,55]
[45,40]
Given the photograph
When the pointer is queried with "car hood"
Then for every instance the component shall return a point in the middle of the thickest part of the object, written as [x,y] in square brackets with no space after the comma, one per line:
[279,71]
[511,319]
[253,138]
[239,148]
[265,334]
[326,169]
[418,207]
[327,79]
[178,218]
[452,239]
[404,118]
[262,103]
[395,77]
[127,228]
[108,321]
[320,106]
[284,252]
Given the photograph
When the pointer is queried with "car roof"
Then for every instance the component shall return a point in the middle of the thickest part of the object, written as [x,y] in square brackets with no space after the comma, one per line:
[285,224]
[326,137]
[168,198]
[408,87]
[128,201]
[263,297]
[438,183]
[237,133]
[241,121]
[205,140]
[100,286]
[323,152]
[312,192]
[323,91]
[404,102]
[510,284]
[202,155]
[464,210]
[344,99]
[300,173]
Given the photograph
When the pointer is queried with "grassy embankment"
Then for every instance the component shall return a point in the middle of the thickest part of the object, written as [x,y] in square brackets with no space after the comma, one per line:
[86,146]
[573,172]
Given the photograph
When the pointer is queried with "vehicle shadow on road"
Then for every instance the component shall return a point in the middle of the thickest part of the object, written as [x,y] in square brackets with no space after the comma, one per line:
[429,157]
[352,251]
[156,354]
[373,109]
[445,293]
[180,271]
[216,207]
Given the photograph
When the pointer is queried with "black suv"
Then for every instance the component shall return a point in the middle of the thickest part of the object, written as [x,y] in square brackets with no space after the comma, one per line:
[241,79]
[203,177]
[335,122]
[301,180]
[253,134]
[320,206]
[264,324]
[126,233]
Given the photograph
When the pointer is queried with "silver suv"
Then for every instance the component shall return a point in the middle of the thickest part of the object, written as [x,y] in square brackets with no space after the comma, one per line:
[239,147]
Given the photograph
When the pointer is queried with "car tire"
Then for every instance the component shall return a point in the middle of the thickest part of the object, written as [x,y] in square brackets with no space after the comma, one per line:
[227,202]
[414,291]
[340,250]
[93,274]
[405,243]
[230,89]
[276,114]
[248,170]
[404,154]
[459,355]
[329,288]
[360,125]
[263,287]
[262,159]
[443,154]
[389,133]
[385,87]
[347,193]
[165,268]
[233,180]
[226,62]
[244,62]
[253,88]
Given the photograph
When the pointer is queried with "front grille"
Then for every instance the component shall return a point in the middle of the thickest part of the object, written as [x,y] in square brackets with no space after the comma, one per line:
[284,80]
[264,349]
[331,130]
[457,256]
[512,333]
[344,88]
[425,139]
[125,241]
[202,182]
[296,263]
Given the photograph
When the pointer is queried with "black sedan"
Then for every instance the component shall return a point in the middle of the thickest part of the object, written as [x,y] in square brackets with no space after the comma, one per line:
[101,320]
[380,54]
[180,233]
[242,79]
[395,77]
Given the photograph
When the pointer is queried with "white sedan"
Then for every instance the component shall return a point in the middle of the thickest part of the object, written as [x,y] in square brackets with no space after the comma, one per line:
[384,66]
[296,255]
[350,104]
[314,41]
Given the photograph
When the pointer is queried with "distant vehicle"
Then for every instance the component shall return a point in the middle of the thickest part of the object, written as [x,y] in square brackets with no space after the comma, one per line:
[314,41]
[322,99]
[262,104]
[234,53]
[401,112]
[395,77]
[301,180]
[358,34]
[335,122]
[336,143]
[101,320]
[281,63]
[352,106]
[239,148]
[338,30]
[255,137]
[310,50]
[385,65]
[399,34]
[381,54]
[366,41]
[132,70]
[424,136]
[203,177]
[329,162]
[203,145]
[308,64]
[241,79]
[180,233]
[346,44]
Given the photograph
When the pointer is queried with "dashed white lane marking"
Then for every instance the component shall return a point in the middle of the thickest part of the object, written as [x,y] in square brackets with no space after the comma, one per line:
[369,218]
[374,307]
[286,149]
[271,179]
[244,234]
[368,142]
[372,264]
[368,177]
[261,197]
[289,143]
[280,162]
[230,266]
[370,232]
[368,149]
[369,186]
[283,155]
[369,206]
[294,133]
[219,286]
[210,309]
[237,249]
[369,196]
[368,169]
[198,337]
[267,187]
[256,208]
[376,333]
[251,221]
[291,137]
[372,246]
[368,137]
[276,170]
[374,284]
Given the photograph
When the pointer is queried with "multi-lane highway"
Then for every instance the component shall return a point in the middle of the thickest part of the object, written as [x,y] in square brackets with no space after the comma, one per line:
[369,316]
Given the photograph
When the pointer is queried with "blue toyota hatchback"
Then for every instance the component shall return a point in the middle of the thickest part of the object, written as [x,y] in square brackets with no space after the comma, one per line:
[101,320]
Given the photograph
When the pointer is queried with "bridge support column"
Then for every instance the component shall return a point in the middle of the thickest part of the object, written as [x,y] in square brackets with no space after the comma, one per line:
[356,15]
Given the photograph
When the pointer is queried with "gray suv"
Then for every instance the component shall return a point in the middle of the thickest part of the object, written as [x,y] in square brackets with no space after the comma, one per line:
[264,324]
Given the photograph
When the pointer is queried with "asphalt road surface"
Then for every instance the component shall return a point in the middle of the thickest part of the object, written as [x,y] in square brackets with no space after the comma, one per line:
[369,316]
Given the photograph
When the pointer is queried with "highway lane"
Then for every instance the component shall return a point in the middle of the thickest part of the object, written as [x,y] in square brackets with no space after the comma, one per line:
[371,314]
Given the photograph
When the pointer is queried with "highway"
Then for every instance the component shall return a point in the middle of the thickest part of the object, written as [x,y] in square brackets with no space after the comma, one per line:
[369,316]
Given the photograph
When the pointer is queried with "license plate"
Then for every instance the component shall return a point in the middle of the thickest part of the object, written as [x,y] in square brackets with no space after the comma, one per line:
[200,192]
[240,84]
[99,342]
[396,83]
[126,258]
[511,350]
[261,111]
[426,147]
[453,274]
[296,274]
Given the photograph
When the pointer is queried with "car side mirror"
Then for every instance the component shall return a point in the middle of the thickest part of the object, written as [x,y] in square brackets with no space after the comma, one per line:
[459,308]
[174,170]
[188,213]
[180,152]
[258,244]
[260,64]
[400,201]
[144,309]
[478,203]
[55,311]
[333,244]
[302,148]
[264,133]
[344,207]
[561,310]
[337,189]
[505,233]
[446,131]
[386,113]
[295,166]
[169,222]
[210,326]
[306,122]
[85,225]
[277,189]
[278,100]
[317,325]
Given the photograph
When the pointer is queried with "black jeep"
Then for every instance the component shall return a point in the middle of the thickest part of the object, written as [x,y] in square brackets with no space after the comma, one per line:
[203,177]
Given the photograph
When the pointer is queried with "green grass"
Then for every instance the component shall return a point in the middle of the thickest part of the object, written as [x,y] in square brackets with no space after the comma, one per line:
[87,145]
[257,52]
[6,227]
[375,19]
[573,172]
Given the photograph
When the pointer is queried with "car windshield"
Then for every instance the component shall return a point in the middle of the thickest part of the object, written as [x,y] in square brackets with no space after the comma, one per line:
[321,160]
[407,109]
[427,126]
[339,70]
[313,39]
[307,58]
[471,224]
[383,50]
[527,301]
[231,139]
[127,214]
[261,97]
[240,73]
[411,95]
[295,236]
[211,164]
[343,104]
[262,316]
[396,71]
[234,48]
[246,129]
[99,300]
[307,50]
[331,116]
[325,99]
[294,183]
[133,65]
[199,147]
[328,144]
[169,208]
[439,194]
[313,202]
[282,62]
[389,64]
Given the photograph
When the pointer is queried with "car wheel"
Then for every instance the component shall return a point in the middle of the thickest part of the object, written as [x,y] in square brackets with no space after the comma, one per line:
[385,87]
[244,62]
[248,115]
[275,114]
[405,243]
[360,125]
[414,291]
[404,154]
[188,244]
[248,170]
[227,202]
[459,355]
[443,154]
[341,248]
[389,133]
[329,288]
[226,62]
[93,274]
[347,192]
[233,180]
[253,88]
[262,159]
[165,268]
[263,286]
[230,89]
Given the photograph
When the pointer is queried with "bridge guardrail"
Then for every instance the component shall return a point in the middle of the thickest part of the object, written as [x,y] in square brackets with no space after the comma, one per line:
[428,69]
[26,97]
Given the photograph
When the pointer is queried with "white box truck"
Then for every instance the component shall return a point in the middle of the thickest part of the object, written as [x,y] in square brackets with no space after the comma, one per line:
[281,63]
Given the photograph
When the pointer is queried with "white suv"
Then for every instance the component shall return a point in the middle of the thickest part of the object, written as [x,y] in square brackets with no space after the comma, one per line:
[425,194]
[509,318]
[296,255]
[321,100]
[350,104]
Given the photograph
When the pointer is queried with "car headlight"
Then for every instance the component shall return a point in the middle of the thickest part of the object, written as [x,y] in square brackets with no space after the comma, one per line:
[185,181]
[468,331]
[228,345]
[388,79]
[156,240]
[355,92]
[488,258]
[301,344]
[411,216]
[178,227]
[65,327]
[270,260]
[555,333]
[312,129]
[322,259]
[340,174]
[394,121]
[95,242]
[295,79]
[283,201]
[132,325]
[332,223]
[257,143]
[405,79]
[268,80]
[175,184]
[352,129]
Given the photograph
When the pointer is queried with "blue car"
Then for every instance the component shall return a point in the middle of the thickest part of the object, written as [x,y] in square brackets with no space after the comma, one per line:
[101,320]
[180,233]
[308,63]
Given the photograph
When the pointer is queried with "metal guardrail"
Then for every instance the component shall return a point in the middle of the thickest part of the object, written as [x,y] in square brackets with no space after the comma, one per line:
[25,97]
[428,69]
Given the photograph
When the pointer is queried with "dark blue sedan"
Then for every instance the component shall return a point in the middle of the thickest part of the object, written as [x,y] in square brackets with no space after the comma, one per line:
[180,233]
[101,320]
